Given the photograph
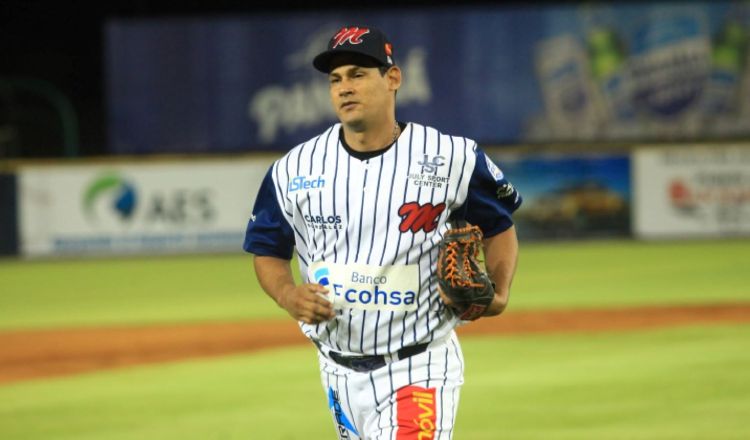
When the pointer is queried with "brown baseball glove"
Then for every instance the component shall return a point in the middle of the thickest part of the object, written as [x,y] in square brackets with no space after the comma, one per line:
[461,276]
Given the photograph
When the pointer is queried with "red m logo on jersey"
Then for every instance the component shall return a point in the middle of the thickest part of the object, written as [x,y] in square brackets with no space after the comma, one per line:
[415,216]
[352,34]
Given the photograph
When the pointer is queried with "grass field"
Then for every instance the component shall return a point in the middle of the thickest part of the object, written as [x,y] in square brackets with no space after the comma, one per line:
[219,288]
[689,383]
[685,382]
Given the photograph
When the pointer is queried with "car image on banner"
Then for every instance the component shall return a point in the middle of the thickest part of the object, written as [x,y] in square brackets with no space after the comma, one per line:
[582,196]
[576,210]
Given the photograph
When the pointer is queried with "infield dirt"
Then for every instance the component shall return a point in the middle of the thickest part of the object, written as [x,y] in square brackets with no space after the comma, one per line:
[28,355]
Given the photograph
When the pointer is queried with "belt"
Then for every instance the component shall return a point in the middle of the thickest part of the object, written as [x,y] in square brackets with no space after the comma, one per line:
[364,364]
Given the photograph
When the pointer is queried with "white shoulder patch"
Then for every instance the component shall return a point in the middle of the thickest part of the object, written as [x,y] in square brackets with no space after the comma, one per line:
[494,170]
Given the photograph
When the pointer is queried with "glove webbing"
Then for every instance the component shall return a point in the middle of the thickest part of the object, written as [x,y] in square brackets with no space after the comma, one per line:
[451,272]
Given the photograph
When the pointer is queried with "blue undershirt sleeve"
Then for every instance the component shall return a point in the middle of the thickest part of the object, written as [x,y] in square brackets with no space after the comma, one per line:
[491,200]
[268,231]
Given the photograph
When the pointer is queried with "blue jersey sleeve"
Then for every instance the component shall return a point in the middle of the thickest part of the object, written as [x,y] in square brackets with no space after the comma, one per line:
[491,199]
[268,231]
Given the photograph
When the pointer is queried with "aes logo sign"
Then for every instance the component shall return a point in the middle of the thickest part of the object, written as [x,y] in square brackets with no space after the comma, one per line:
[115,198]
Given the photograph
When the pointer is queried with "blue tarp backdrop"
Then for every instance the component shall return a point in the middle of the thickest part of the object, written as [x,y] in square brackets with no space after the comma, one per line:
[567,73]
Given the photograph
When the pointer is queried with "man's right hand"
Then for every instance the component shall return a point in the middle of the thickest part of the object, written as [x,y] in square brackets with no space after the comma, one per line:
[307,303]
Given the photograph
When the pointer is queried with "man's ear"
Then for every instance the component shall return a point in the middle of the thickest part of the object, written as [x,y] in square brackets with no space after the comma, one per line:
[393,75]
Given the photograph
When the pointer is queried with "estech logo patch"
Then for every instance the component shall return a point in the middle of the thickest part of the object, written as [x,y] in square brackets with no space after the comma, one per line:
[306,182]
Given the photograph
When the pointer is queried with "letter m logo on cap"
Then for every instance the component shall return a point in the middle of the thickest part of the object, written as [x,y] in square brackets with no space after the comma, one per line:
[353,35]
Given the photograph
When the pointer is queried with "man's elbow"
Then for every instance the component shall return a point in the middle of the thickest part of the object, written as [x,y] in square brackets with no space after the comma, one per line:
[498,305]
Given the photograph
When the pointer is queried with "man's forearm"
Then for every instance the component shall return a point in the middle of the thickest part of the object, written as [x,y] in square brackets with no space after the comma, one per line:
[305,302]
[275,277]
[501,257]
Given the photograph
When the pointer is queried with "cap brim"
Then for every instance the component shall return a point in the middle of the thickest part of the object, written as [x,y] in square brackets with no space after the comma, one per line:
[325,61]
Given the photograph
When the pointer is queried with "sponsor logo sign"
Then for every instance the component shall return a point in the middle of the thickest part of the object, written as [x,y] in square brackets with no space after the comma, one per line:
[428,175]
[343,425]
[692,191]
[366,287]
[417,413]
[306,183]
[133,208]
[112,190]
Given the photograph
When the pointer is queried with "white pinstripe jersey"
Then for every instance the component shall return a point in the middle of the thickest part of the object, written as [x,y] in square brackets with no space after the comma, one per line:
[369,229]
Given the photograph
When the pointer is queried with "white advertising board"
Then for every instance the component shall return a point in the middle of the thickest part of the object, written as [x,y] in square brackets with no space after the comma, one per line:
[701,191]
[143,208]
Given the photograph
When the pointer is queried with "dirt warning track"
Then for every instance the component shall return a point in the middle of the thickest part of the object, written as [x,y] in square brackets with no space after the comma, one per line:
[27,355]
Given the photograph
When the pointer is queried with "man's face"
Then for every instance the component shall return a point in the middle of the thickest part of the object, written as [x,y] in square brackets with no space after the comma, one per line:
[361,94]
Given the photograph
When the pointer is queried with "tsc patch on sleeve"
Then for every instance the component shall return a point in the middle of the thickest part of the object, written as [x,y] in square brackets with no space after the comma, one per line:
[496,172]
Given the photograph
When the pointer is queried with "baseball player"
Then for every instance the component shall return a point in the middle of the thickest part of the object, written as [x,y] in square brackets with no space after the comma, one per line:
[364,206]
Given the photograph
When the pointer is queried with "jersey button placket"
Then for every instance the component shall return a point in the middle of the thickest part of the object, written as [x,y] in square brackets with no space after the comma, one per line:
[367,168]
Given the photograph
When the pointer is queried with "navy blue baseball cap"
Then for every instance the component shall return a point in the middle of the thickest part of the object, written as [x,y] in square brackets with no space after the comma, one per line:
[367,44]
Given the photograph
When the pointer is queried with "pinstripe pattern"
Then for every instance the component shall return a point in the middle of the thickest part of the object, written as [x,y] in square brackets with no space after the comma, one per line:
[353,217]
[369,399]
[347,212]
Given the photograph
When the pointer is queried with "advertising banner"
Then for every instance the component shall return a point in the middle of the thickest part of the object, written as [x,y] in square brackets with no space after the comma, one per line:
[590,72]
[570,197]
[701,191]
[106,209]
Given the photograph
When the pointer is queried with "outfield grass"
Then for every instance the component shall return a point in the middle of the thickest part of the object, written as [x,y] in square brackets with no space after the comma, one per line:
[686,383]
[173,289]
[681,383]
[91,292]
[626,273]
